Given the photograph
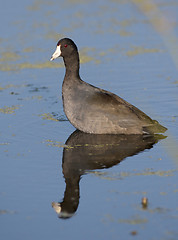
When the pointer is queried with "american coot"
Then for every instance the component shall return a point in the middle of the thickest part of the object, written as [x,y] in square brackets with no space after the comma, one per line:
[94,110]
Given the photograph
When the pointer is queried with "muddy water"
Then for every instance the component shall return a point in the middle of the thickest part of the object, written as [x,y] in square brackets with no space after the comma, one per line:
[47,172]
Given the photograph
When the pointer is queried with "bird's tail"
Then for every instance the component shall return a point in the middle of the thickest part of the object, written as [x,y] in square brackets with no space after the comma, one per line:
[155,128]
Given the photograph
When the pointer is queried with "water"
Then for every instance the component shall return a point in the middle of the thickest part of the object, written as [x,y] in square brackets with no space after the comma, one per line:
[127,47]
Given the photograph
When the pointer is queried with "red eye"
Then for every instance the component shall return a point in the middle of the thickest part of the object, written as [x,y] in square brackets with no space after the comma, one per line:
[65,45]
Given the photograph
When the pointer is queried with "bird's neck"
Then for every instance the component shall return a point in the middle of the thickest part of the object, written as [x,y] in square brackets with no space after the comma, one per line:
[72,65]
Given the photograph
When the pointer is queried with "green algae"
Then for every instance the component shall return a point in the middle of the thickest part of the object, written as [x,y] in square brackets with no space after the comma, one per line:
[38,4]
[8,86]
[9,56]
[142,50]
[121,175]
[9,110]
[134,221]
[53,35]
[29,49]
[4,144]
[175,82]
[26,65]
[37,97]
[84,57]
[48,116]
[124,33]
[53,143]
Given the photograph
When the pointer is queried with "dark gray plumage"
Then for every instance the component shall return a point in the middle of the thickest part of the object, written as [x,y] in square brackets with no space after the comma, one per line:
[94,110]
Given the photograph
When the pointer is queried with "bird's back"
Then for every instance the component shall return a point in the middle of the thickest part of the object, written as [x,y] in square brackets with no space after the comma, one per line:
[94,110]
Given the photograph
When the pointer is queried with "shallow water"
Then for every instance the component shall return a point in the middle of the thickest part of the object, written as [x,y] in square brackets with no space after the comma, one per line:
[127,47]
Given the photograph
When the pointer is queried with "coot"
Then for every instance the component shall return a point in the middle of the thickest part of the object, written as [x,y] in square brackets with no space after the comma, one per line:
[94,110]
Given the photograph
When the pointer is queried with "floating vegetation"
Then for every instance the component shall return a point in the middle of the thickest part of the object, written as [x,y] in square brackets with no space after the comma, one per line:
[124,33]
[9,110]
[8,86]
[4,144]
[9,56]
[54,143]
[38,97]
[134,221]
[54,35]
[142,50]
[121,175]
[159,210]
[48,116]
[20,66]
[84,57]
[38,4]
[29,49]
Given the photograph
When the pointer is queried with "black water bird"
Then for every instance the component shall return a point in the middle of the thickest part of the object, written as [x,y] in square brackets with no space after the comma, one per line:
[94,110]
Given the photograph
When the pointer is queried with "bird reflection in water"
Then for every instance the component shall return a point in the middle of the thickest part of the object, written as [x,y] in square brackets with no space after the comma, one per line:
[86,152]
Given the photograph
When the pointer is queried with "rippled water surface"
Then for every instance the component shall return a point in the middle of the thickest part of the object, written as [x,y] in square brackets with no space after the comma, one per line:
[56,183]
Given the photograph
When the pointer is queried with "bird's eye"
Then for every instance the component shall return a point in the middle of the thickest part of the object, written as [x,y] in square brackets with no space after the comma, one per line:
[65,45]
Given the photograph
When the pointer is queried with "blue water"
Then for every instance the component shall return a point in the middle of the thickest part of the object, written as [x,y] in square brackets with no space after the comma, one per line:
[128,56]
